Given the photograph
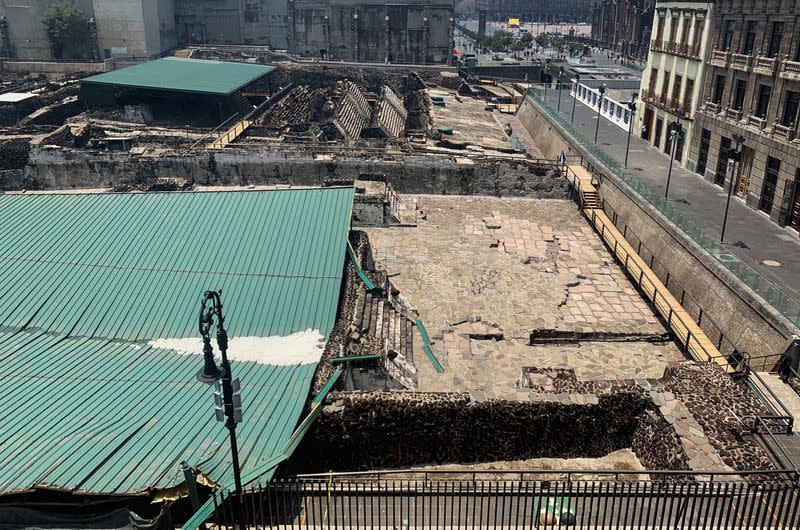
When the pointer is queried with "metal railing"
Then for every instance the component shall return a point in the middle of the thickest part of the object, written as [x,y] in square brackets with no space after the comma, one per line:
[768,291]
[398,503]
[780,416]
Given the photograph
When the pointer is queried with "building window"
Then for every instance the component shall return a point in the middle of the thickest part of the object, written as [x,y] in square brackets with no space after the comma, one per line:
[719,88]
[698,32]
[659,28]
[770,184]
[653,79]
[739,93]
[688,98]
[790,110]
[665,86]
[727,36]
[722,160]
[775,38]
[687,22]
[673,28]
[764,93]
[750,37]
[705,146]
[676,90]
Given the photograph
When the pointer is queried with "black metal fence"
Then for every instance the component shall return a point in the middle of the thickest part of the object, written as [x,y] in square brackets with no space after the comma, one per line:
[766,500]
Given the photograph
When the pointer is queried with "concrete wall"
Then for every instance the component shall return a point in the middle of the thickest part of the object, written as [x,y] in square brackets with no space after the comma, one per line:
[58,168]
[742,316]
[27,34]
[56,69]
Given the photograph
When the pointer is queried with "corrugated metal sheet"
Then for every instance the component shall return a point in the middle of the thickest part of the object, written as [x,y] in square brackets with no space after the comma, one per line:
[88,279]
[184,75]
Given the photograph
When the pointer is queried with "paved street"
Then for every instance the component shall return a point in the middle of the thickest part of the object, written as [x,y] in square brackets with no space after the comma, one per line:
[750,235]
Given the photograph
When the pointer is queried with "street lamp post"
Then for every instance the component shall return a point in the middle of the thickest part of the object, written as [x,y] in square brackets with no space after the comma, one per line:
[211,309]
[602,91]
[575,97]
[558,87]
[675,132]
[735,156]
[632,108]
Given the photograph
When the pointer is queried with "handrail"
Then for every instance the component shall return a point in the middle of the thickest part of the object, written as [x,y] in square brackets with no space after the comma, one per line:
[788,459]
[787,415]
[766,290]
[788,472]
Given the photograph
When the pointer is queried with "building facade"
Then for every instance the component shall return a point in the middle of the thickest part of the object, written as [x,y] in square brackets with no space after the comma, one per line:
[254,22]
[405,31]
[542,10]
[672,81]
[623,26]
[752,89]
[133,28]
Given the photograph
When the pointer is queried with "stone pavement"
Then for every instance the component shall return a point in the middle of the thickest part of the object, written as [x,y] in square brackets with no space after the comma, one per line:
[750,235]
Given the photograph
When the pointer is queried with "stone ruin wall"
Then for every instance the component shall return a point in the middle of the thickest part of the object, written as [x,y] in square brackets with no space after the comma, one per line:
[375,430]
[58,168]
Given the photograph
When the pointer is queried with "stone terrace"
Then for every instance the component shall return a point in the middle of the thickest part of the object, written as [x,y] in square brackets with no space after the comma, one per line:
[520,297]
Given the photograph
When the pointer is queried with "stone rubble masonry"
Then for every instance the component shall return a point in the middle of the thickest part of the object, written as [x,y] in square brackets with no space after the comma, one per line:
[373,430]
[352,110]
[390,113]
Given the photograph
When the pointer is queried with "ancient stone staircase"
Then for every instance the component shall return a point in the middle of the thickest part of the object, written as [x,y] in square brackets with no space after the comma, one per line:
[376,316]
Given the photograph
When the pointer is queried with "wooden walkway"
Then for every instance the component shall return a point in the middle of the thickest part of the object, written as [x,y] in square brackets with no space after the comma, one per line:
[230,135]
[678,320]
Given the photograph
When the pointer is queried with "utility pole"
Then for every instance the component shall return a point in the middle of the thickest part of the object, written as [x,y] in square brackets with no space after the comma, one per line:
[602,91]
[632,108]
[735,157]
[575,97]
[675,132]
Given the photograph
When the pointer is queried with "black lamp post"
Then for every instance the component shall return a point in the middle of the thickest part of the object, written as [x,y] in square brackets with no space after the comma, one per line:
[735,156]
[602,91]
[675,132]
[575,97]
[211,307]
[558,86]
[632,108]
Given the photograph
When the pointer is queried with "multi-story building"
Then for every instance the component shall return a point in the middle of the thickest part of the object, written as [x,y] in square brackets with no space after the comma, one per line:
[752,89]
[255,22]
[133,28]
[542,10]
[404,31]
[623,26]
[672,81]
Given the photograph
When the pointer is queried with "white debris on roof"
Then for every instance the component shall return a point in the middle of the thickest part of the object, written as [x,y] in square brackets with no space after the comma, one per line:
[303,347]
[15,97]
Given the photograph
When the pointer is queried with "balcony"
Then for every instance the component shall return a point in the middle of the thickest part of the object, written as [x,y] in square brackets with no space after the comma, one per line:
[764,65]
[755,121]
[790,70]
[740,61]
[784,132]
[720,58]
[712,108]
[733,114]
[694,51]
[656,45]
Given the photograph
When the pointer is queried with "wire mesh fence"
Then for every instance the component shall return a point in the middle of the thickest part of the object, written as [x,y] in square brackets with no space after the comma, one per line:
[770,501]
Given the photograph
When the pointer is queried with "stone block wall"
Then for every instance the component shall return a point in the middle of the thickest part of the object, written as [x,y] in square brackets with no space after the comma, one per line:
[390,113]
[373,430]
[353,111]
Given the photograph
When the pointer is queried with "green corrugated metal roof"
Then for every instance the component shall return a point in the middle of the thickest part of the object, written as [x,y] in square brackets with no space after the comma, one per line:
[184,75]
[89,279]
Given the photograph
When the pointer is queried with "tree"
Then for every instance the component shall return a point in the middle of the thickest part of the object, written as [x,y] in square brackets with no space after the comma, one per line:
[558,43]
[517,46]
[66,27]
[542,40]
[527,38]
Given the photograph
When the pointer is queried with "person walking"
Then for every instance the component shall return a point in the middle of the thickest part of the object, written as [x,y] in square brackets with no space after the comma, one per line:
[785,368]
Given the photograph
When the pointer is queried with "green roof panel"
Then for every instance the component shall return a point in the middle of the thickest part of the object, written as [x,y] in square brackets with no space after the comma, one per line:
[184,75]
[90,279]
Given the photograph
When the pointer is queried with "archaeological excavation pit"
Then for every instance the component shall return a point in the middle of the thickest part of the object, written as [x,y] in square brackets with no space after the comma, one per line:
[548,353]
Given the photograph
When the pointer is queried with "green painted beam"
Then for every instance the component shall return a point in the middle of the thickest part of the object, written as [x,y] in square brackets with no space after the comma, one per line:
[423,332]
[336,360]
[359,271]
[432,358]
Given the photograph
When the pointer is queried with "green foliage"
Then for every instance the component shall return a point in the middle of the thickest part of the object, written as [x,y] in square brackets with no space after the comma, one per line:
[67,26]
[527,38]
[517,46]
[542,40]
[558,43]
